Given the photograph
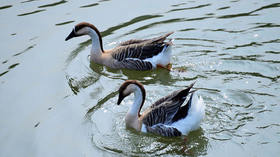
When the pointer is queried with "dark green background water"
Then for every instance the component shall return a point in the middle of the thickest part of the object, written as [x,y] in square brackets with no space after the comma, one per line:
[54,103]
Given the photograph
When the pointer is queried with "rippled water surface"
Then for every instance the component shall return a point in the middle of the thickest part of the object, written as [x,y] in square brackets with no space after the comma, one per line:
[53,102]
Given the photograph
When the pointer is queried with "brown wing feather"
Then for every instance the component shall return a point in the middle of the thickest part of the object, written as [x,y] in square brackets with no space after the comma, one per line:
[163,130]
[164,110]
[135,64]
[166,98]
[140,49]
[132,41]
[172,95]
[162,114]
[161,38]
[138,41]
[183,111]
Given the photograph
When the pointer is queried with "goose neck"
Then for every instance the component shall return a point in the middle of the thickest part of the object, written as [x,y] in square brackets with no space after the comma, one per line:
[97,48]
[137,103]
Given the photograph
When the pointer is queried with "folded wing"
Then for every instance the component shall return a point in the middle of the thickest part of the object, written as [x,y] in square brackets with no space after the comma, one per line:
[164,110]
[140,49]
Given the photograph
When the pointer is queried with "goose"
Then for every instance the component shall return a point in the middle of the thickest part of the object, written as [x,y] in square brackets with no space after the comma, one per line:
[167,116]
[133,54]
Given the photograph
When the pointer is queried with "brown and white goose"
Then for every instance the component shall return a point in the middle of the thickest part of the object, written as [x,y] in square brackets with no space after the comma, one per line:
[167,116]
[133,54]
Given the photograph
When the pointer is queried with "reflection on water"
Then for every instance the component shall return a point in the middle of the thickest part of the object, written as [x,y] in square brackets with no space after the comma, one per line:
[231,49]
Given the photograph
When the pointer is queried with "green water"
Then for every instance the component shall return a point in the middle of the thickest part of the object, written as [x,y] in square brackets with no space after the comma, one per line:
[53,102]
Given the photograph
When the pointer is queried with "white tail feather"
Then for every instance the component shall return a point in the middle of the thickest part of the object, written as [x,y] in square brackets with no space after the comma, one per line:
[195,115]
[163,58]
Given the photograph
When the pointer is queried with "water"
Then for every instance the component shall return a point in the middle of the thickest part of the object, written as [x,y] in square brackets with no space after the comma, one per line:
[53,102]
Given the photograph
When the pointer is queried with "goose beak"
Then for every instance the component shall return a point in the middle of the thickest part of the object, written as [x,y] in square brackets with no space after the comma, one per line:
[120,99]
[71,35]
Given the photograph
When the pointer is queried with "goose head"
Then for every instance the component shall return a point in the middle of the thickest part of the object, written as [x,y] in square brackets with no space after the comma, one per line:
[133,86]
[85,28]
[128,87]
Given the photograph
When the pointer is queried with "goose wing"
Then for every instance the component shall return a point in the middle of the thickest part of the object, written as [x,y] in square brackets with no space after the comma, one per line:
[171,96]
[138,41]
[140,49]
[164,110]
[169,131]
[163,99]
[164,130]
[135,64]
[133,56]
[132,41]
[163,113]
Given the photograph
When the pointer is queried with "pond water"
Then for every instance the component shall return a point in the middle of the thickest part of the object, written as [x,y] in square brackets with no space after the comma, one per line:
[53,102]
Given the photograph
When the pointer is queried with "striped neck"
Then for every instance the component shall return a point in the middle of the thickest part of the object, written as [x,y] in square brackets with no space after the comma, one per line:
[133,86]
[133,114]
[97,48]
[138,102]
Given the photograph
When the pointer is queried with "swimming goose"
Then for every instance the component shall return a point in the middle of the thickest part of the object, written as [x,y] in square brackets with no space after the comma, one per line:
[167,116]
[133,54]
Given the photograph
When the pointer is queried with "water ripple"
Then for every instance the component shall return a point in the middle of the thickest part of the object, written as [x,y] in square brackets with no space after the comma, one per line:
[25,50]
[64,23]
[254,74]
[273,52]
[3,73]
[13,66]
[275,5]
[225,30]
[254,44]
[189,8]
[5,7]
[89,5]
[244,45]
[237,15]
[223,8]
[9,68]
[199,39]
[154,24]
[33,12]
[187,29]
[179,4]
[27,1]
[251,58]
[198,18]
[266,25]
[268,126]
[133,21]
[52,4]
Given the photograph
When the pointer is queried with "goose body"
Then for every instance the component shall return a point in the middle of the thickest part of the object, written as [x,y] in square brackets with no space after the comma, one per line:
[133,54]
[167,116]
